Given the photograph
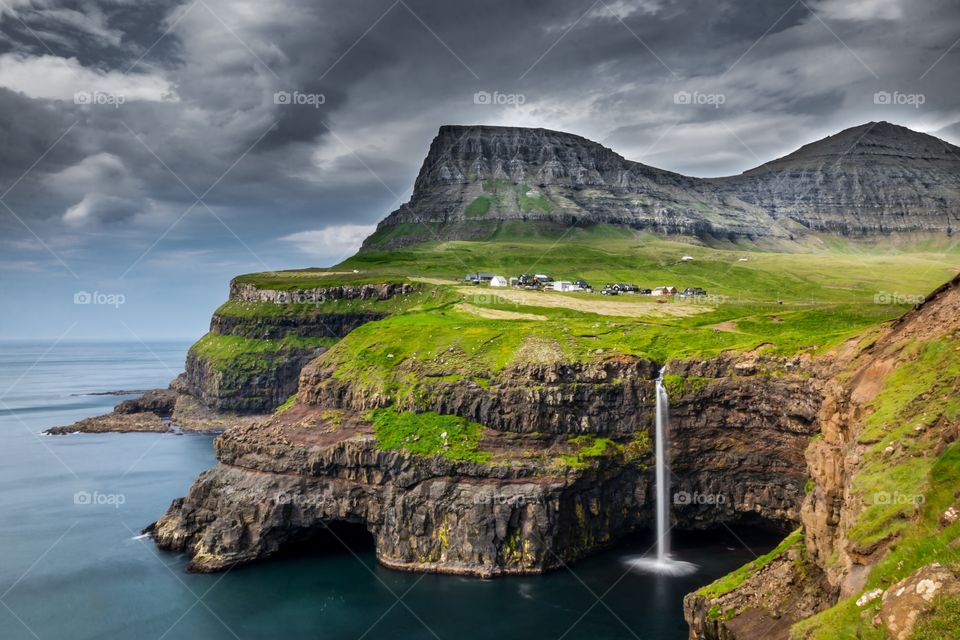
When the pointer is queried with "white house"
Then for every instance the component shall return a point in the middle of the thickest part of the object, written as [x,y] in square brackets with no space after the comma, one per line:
[498,281]
[564,285]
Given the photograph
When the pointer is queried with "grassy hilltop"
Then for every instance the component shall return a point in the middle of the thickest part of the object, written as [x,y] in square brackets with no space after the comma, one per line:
[787,300]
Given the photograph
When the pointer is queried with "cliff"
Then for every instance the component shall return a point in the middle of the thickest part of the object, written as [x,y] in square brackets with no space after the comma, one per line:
[250,361]
[476,181]
[558,468]
[882,504]
[262,337]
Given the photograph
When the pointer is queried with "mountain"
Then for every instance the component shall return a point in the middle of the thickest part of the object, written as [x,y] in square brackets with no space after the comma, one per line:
[873,179]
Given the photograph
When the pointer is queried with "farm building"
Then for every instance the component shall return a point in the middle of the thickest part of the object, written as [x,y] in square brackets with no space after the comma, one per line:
[564,285]
[664,291]
[498,281]
[478,277]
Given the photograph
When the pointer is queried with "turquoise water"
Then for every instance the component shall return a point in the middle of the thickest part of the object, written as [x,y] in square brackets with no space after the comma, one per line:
[71,565]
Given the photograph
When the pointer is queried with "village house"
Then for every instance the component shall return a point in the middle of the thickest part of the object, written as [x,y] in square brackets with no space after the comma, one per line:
[564,285]
[664,291]
[477,278]
[498,281]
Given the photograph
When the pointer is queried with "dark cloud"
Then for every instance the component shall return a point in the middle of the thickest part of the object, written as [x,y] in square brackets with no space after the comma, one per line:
[294,183]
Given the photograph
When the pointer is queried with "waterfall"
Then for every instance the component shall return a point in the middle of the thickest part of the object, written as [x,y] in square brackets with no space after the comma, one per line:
[663,471]
[663,563]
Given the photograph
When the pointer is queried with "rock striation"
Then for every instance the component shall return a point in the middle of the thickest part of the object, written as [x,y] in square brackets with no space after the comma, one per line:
[869,180]
[529,508]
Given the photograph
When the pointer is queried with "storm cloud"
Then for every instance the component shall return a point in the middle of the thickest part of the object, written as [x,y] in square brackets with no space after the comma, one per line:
[166,146]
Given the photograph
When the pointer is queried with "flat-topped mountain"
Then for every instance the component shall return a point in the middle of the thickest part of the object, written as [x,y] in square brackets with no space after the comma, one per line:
[872,179]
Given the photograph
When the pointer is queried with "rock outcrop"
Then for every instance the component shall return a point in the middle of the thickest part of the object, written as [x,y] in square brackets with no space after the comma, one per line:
[904,602]
[284,329]
[250,361]
[873,179]
[535,503]
[281,484]
[149,412]
[772,596]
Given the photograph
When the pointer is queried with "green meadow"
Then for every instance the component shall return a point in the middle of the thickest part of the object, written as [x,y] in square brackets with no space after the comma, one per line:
[785,299]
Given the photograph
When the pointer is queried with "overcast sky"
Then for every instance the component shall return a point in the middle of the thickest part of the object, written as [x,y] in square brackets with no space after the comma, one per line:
[152,149]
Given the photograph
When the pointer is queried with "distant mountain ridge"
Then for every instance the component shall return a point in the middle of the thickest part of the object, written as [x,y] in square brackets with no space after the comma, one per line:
[873,179]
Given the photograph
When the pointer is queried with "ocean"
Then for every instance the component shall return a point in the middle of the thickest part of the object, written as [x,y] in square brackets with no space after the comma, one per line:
[73,565]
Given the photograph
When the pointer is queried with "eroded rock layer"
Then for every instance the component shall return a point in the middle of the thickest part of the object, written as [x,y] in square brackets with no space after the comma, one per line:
[873,179]
[536,502]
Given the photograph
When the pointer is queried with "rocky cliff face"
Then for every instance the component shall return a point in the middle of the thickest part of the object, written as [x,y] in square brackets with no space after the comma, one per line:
[740,428]
[250,361]
[868,180]
[280,485]
[234,387]
[260,372]
[537,502]
[850,441]
[873,179]
[882,501]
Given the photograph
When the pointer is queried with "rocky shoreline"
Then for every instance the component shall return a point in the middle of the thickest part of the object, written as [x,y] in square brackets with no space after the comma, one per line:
[157,411]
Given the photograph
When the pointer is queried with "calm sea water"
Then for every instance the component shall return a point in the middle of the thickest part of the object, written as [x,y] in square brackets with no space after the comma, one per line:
[72,567]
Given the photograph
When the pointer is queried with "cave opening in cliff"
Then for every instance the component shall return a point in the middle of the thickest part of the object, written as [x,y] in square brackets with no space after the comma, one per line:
[750,531]
[330,537]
